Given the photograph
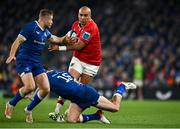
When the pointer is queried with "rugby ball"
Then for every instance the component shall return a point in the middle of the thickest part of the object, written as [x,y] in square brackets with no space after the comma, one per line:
[71,33]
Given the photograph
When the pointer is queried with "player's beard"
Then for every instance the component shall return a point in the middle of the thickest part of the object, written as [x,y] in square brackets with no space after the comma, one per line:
[47,26]
[83,22]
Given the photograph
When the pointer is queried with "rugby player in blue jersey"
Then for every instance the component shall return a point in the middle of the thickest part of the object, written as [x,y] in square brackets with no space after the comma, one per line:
[83,96]
[26,50]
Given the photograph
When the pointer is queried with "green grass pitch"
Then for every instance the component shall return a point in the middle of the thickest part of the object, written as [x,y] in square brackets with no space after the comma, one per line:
[133,114]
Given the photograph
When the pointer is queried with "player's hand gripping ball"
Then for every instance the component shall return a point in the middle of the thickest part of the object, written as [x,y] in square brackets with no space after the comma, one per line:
[73,36]
[71,33]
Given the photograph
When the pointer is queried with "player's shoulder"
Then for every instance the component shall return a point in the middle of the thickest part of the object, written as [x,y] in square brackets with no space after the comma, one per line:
[30,25]
[92,23]
[91,26]
[75,23]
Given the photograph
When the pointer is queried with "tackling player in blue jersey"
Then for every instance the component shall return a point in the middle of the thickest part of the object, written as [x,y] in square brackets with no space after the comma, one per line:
[29,43]
[83,96]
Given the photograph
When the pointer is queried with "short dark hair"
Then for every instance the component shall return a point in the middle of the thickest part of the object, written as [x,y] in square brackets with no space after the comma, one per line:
[45,12]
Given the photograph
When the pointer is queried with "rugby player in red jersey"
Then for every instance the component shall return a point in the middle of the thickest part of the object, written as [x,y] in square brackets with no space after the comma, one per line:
[87,50]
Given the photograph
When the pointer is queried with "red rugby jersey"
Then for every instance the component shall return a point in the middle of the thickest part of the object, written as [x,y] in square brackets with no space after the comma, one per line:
[90,35]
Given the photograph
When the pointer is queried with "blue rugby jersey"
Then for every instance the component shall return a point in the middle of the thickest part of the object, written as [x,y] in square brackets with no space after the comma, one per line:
[35,39]
[64,85]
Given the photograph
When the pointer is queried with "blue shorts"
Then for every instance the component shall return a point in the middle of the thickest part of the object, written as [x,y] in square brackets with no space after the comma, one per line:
[28,66]
[86,97]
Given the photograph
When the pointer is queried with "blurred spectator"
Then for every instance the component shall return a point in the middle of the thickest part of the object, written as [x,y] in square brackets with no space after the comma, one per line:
[138,77]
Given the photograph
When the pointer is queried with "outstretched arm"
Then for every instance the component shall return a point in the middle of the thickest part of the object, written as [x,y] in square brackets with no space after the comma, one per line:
[75,46]
[65,39]
[55,39]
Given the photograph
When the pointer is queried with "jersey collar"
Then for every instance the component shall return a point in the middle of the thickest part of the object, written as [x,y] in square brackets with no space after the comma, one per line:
[86,24]
[39,26]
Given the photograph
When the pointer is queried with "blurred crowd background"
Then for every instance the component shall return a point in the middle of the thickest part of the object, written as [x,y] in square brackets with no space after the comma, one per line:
[140,40]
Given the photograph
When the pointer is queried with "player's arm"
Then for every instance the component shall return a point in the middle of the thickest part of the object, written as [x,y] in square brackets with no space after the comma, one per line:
[65,39]
[75,46]
[55,39]
[83,40]
[14,48]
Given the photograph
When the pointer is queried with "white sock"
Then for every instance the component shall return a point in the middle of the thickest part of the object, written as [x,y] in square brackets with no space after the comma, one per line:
[58,107]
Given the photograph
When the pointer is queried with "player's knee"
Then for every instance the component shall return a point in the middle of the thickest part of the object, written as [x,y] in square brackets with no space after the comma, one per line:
[71,120]
[30,88]
[46,90]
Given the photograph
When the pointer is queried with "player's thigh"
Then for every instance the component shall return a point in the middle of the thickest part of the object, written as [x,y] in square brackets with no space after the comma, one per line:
[74,112]
[42,82]
[24,69]
[85,79]
[75,68]
[107,105]
[89,71]
[74,73]
[28,80]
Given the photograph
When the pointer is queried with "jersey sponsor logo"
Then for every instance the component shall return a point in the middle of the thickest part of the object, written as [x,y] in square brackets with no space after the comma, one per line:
[42,43]
[86,35]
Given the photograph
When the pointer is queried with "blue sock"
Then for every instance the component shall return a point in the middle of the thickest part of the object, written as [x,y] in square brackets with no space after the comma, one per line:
[89,117]
[121,89]
[36,100]
[16,99]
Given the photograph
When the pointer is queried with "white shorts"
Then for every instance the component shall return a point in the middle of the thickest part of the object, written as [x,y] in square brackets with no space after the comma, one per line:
[139,83]
[82,67]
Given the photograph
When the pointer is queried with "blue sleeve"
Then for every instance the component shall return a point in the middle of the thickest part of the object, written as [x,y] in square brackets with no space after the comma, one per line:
[26,31]
[48,34]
